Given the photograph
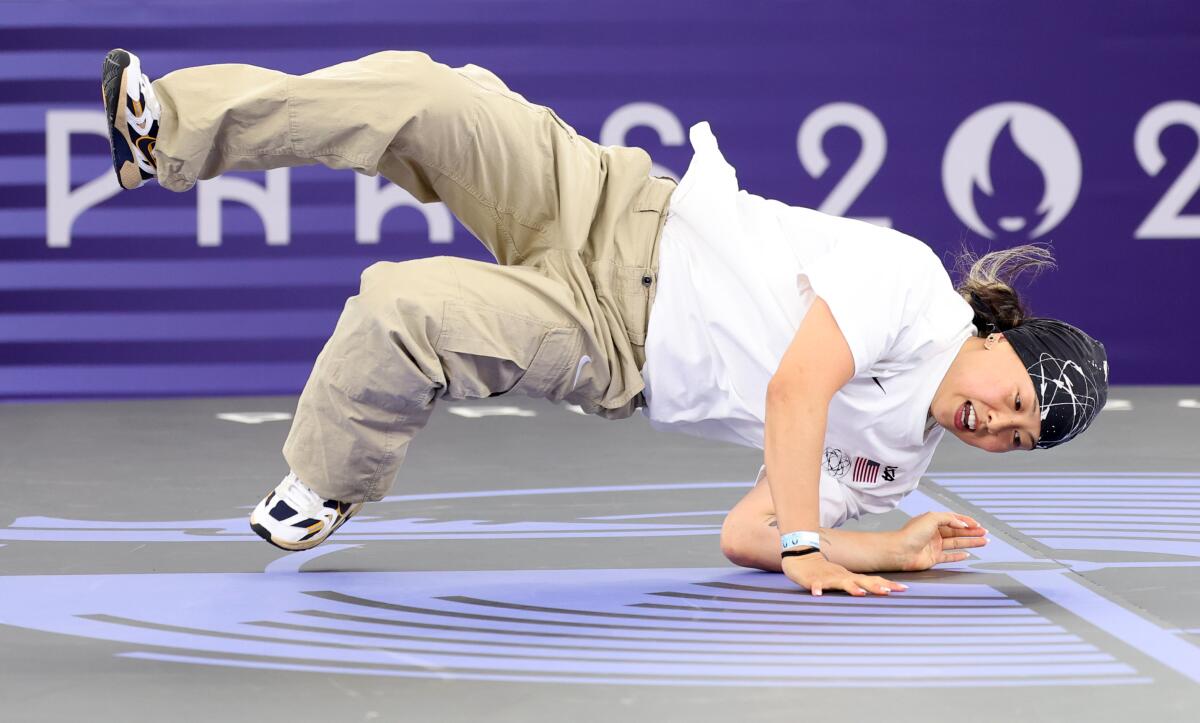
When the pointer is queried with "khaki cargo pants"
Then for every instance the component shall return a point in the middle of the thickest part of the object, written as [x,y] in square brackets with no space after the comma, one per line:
[574,226]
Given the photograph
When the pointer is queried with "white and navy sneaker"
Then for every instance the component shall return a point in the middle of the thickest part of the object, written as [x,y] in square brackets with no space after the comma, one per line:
[133,112]
[293,517]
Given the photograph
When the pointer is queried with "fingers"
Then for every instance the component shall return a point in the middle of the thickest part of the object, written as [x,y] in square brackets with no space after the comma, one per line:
[960,543]
[953,524]
[818,575]
[954,520]
[964,518]
[858,585]
[952,557]
[950,532]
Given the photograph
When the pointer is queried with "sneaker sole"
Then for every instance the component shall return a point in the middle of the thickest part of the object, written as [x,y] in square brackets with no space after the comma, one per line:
[112,90]
[264,533]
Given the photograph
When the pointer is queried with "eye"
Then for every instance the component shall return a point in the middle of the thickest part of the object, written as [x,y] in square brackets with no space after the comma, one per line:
[1017,440]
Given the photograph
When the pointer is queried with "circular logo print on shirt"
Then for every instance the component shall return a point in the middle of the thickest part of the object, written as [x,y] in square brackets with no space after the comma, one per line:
[837,462]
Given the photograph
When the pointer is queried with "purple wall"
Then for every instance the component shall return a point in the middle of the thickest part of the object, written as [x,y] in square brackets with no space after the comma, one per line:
[984,123]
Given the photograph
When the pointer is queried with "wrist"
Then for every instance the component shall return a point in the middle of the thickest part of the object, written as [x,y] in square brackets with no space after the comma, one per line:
[863,552]
[800,539]
[803,560]
[890,553]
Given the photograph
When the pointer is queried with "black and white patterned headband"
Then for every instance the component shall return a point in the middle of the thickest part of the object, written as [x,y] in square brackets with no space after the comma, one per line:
[1070,375]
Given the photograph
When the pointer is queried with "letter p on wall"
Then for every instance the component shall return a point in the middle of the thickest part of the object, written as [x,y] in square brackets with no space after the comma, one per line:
[63,205]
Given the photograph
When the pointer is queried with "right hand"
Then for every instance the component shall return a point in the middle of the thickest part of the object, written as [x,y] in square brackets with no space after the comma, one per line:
[816,574]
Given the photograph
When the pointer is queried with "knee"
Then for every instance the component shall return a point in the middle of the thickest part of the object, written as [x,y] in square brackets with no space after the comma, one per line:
[441,90]
[396,278]
[736,542]
[378,276]
[375,280]
[403,294]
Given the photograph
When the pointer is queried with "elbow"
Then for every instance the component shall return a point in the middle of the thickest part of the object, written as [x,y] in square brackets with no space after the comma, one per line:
[787,391]
[780,388]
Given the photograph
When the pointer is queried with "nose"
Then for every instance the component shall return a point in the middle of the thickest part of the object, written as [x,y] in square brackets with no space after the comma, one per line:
[998,422]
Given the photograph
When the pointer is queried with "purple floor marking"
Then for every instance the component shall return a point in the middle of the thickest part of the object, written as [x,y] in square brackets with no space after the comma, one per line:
[647,681]
[392,624]
[1061,588]
[230,622]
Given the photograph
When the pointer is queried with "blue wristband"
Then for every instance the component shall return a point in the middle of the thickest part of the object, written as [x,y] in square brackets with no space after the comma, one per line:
[801,539]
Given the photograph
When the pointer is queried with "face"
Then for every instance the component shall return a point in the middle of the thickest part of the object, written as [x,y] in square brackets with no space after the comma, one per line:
[988,379]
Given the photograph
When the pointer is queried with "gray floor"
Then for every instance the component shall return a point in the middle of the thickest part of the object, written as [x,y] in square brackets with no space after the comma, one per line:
[559,567]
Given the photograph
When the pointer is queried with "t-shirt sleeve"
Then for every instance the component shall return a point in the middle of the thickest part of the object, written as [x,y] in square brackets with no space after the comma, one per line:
[874,290]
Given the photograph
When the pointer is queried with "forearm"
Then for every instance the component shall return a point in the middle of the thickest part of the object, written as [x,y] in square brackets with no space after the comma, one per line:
[750,538]
[861,551]
[755,543]
[795,430]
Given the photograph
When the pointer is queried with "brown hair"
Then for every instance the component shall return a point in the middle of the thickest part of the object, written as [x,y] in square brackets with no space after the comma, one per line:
[987,283]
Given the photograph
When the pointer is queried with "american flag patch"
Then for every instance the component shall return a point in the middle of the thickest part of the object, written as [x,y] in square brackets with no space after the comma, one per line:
[866,470]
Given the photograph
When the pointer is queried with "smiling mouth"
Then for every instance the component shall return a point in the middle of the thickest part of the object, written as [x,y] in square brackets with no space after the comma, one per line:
[966,420]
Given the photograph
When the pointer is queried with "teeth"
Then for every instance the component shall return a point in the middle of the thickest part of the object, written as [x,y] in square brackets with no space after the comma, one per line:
[971,416]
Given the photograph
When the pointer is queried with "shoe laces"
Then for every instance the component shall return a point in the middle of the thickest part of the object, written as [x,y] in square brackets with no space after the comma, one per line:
[300,497]
[151,100]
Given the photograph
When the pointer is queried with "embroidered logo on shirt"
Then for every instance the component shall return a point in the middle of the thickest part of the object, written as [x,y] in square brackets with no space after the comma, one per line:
[866,470]
[879,384]
[889,473]
[837,462]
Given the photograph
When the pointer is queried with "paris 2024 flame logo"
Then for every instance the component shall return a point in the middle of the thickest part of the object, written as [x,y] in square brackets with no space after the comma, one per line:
[1011,169]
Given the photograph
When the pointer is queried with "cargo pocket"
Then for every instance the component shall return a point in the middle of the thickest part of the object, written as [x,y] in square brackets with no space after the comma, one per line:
[485,352]
[551,373]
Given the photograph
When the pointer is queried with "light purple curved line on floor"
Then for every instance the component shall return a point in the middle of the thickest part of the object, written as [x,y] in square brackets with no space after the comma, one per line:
[347,536]
[1103,517]
[568,491]
[352,630]
[363,523]
[1090,566]
[292,562]
[712,623]
[654,515]
[1063,589]
[868,658]
[907,644]
[1121,535]
[654,652]
[1145,527]
[1158,547]
[645,681]
[924,609]
[870,603]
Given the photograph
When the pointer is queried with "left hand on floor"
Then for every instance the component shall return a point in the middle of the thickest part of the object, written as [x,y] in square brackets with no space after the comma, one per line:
[936,537]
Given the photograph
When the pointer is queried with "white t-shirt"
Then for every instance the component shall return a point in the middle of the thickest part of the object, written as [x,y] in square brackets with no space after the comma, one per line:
[737,274]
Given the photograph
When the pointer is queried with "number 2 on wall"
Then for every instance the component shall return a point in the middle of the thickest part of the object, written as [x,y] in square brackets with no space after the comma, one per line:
[862,171]
[1166,219]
